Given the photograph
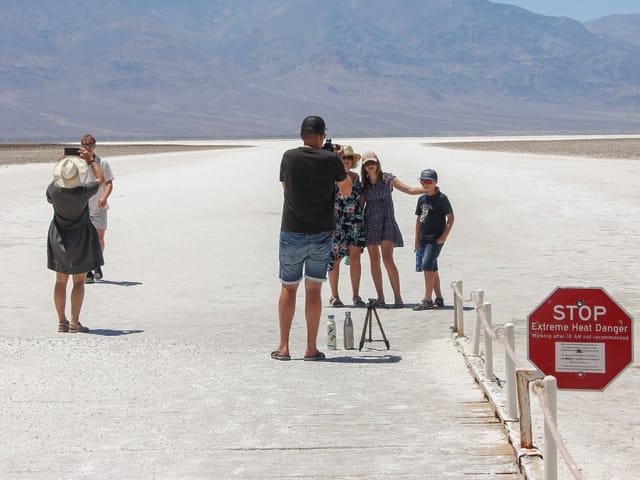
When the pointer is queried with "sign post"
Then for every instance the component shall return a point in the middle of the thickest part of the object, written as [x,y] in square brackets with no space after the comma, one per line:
[581,336]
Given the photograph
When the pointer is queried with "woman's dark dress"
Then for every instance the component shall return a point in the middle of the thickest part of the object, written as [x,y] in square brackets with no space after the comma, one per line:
[379,218]
[73,245]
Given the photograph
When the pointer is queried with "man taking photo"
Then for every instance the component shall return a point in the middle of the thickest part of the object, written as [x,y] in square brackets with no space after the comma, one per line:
[309,175]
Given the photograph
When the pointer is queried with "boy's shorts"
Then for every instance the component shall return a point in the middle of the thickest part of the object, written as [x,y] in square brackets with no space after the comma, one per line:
[427,257]
[308,251]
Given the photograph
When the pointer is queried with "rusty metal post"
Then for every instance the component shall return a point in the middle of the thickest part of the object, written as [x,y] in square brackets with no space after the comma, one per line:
[524,377]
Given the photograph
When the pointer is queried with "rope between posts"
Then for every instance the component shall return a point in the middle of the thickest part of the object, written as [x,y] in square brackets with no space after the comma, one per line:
[500,335]
[575,471]
[459,293]
[486,328]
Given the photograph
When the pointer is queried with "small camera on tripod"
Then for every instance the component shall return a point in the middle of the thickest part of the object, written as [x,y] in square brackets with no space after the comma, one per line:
[368,324]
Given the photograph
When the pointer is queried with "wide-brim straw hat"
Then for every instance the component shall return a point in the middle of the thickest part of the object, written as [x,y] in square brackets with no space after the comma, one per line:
[70,172]
[347,151]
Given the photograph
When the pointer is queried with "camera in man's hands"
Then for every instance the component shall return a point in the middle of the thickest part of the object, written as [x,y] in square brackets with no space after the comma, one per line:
[71,151]
[332,147]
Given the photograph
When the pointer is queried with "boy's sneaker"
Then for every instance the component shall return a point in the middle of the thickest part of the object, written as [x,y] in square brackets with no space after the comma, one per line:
[98,275]
[439,301]
[89,278]
[423,305]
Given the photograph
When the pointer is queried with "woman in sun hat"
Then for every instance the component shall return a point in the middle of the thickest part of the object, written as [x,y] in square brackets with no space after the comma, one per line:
[348,238]
[382,233]
[73,246]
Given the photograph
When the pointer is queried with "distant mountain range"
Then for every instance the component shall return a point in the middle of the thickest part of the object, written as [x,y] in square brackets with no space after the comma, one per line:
[145,69]
[622,27]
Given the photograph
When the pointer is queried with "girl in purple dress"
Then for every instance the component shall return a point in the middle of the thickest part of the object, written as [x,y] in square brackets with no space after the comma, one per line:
[381,230]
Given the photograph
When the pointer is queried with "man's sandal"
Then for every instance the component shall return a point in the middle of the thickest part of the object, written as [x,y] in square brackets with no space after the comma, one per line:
[280,356]
[63,327]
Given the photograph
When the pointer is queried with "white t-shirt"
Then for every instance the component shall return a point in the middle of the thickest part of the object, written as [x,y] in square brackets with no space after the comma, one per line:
[108,176]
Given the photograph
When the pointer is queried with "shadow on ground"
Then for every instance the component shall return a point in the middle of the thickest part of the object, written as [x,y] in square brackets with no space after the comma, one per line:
[122,283]
[365,359]
[407,306]
[112,333]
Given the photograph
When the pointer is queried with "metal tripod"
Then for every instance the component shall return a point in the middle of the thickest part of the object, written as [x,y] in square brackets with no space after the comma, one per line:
[368,322]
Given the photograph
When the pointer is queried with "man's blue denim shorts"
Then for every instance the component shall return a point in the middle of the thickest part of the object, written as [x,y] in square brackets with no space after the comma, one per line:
[429,257]
[311,251]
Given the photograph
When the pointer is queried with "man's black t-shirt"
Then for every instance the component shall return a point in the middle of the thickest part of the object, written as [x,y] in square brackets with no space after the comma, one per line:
[309,175]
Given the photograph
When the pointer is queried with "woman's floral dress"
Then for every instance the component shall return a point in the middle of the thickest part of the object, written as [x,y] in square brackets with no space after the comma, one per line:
[349,223]
[379,216]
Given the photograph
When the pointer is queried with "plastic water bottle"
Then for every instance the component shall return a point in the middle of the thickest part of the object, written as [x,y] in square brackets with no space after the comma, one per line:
[331,333]
[348,331]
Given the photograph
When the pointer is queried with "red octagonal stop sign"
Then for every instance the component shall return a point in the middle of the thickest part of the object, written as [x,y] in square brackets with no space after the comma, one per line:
[582,337]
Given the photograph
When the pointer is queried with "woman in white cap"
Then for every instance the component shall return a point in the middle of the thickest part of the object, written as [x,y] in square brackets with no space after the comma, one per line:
[73,245]
[382,233]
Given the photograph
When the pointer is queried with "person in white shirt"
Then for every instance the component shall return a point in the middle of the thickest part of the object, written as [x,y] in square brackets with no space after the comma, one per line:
[98,205]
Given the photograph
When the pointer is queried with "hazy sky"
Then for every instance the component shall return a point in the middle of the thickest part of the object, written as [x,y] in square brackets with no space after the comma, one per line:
[581,10]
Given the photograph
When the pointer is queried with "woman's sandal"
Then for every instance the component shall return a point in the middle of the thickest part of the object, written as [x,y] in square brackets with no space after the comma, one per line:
[78,328]
[336,302]
[358,302]
[63,327]
[380,303]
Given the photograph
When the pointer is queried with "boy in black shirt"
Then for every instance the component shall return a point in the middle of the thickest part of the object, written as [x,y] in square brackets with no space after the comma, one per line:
[433,224]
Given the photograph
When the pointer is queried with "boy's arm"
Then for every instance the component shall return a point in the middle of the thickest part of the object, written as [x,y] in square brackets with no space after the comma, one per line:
[417,242]
[447,228]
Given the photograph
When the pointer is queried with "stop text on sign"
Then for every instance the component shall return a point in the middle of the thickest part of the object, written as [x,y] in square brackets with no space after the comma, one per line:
[580,311]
